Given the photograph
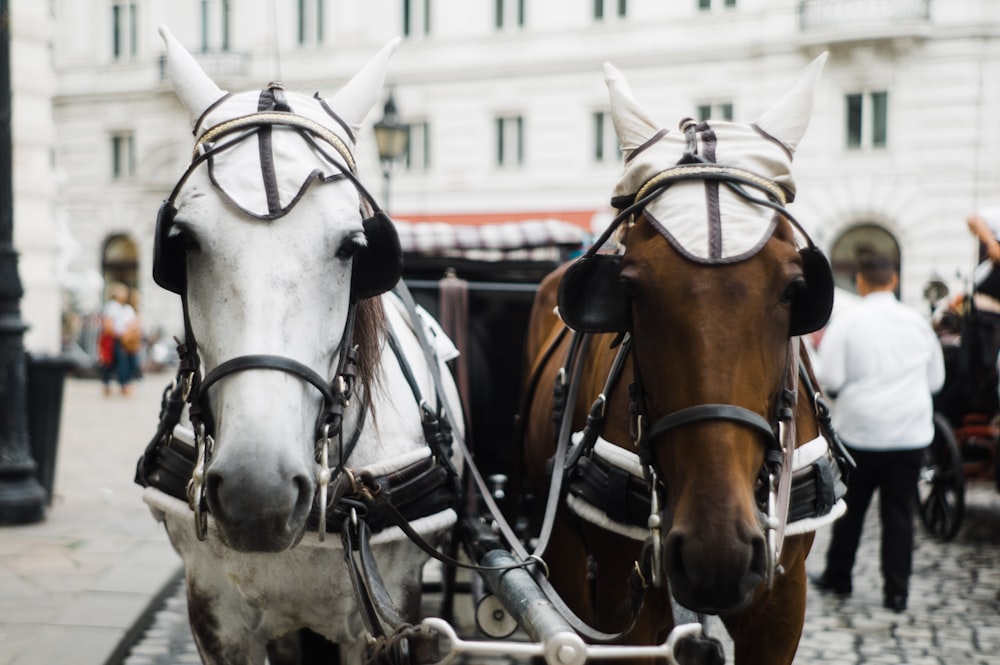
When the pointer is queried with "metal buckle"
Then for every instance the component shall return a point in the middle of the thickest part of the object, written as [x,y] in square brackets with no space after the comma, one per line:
[654,523]
[771,529]
[204,446]
[323,474]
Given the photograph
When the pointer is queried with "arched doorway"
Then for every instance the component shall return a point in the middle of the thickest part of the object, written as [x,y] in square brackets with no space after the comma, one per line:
[866,236]
[120,261]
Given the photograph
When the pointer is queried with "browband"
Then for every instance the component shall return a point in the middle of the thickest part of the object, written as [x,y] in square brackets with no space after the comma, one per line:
[272,118]
[713,172]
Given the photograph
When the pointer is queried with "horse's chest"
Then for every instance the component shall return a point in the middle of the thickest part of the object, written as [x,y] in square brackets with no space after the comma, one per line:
[271,594]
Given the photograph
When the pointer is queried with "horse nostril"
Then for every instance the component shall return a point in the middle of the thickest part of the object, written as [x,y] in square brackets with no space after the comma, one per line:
[758,556]
[304,498]
[213,487]
[674,554]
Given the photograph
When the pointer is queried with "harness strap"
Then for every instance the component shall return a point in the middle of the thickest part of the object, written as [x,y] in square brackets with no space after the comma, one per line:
[171,405]
[576,359]
[598,410]
[271,119]
[266,361]
[499,520]
[437,429]
[822,411]
[362,592]
[702,412]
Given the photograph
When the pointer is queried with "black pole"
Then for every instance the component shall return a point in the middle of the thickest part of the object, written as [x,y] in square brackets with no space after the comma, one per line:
[22,497]
[386,175]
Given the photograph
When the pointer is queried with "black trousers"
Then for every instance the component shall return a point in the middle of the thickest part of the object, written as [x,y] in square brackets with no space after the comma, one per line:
[894,474]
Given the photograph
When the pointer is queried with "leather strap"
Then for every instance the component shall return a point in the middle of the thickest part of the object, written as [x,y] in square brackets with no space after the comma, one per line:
[266,361]
[499,521]
[575,361]
[701,412]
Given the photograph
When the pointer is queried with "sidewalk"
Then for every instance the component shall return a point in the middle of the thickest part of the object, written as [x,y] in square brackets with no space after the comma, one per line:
[74,585]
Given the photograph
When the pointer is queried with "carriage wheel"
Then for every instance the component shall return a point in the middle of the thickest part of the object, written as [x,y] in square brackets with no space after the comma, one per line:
[941,487]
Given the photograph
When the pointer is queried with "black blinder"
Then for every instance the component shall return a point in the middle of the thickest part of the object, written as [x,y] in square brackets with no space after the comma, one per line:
[379,264]
[169,268]
[591,298]
[811,307]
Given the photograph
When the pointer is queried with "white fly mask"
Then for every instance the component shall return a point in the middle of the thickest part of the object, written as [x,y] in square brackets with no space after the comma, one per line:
[291,157]
[705,219]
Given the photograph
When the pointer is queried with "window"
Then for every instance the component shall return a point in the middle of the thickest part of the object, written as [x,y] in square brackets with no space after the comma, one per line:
[606,145]
[214,25]
[310,26]
[867,117]
[880,113]
[509,13]
[122,156]
[603,8]
[123,30]
[418,156]
[721,111]
[510,140]
[707,5]
[416,12]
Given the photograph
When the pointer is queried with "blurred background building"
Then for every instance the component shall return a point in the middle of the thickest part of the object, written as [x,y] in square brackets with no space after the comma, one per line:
[507,117]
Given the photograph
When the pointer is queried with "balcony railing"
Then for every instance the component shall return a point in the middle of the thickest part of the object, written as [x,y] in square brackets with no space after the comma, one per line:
[866,17]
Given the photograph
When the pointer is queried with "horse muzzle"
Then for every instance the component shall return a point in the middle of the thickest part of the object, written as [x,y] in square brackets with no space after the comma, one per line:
[257,509]
[715,574]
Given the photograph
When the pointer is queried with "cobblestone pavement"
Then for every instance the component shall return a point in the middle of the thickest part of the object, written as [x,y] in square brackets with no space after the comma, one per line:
[953,616]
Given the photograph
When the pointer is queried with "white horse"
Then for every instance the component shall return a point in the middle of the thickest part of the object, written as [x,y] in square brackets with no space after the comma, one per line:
[274,248]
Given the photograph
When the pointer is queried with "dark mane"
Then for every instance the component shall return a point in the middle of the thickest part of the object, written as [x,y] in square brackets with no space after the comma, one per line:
[369,335]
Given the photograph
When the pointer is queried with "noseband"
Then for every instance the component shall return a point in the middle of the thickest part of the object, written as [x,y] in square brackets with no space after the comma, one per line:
[779,444]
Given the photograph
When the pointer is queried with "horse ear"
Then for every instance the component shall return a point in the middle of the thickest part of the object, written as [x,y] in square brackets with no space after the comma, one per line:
[193,86]
[356,98]
[633,124]
[788,120]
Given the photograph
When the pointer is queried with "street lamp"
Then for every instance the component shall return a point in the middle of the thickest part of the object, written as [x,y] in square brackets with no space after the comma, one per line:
[22,497]
[392,138]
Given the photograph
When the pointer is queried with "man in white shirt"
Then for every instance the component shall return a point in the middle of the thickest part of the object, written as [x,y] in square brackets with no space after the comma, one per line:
[882,362]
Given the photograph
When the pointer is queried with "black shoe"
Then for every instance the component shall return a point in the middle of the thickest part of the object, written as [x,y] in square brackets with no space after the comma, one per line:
[826,585]
[895,603]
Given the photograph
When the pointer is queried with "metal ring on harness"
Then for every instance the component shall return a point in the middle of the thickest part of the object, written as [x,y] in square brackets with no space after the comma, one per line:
[204,445]
[323,475]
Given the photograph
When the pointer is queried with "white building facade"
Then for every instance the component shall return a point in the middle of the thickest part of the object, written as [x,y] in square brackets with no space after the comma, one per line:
[508,112]
[38,229]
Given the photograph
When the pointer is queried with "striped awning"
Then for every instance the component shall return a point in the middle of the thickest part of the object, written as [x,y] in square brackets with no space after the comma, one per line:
[484,240]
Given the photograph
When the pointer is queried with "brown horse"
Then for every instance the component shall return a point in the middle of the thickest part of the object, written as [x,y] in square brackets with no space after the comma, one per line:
[691,329]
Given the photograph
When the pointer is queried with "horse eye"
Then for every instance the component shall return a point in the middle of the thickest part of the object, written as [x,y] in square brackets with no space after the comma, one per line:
[347,249]
[629,288]
[795,288]
[184,238]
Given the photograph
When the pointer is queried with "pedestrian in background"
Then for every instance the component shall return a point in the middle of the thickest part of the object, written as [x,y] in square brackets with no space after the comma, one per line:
[134,338]
[882,362]
[116,319]
[986,278]
[981,339]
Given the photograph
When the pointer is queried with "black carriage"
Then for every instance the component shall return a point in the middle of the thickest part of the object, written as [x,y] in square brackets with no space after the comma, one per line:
[965,423]
[480,282]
